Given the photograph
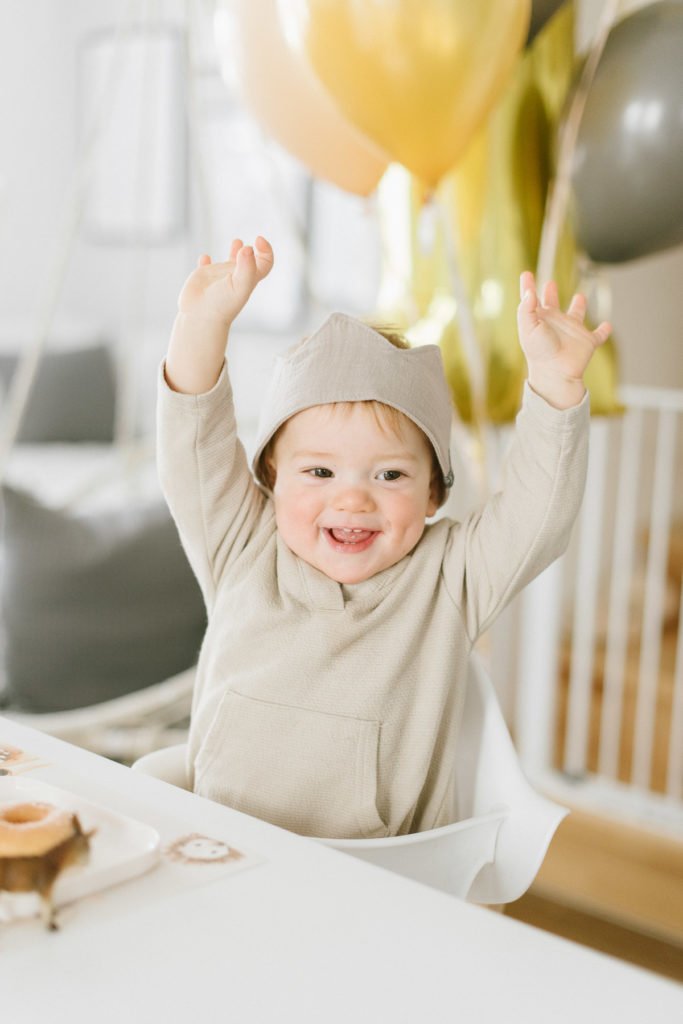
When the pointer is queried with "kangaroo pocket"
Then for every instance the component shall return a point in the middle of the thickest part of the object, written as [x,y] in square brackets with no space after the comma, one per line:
[306,771]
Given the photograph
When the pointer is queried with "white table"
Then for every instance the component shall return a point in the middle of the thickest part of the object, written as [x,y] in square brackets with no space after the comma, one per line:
[306,935]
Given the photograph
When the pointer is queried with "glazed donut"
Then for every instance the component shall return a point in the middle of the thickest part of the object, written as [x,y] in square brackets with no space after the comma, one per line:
[33,829]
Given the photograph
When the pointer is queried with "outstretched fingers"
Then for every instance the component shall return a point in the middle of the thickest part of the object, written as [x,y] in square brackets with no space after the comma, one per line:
[263,254]
[526,283]
[602,332]
[244,275]
[577,307]
[242,270]
[551,297]
[252,263]
[527,312]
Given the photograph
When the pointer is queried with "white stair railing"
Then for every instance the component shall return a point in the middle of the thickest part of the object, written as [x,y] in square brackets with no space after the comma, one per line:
[622,571]
[592,628]
[586,606]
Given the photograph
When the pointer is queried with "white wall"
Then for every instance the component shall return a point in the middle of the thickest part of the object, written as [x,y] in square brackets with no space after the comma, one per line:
[36,143]
[40,146]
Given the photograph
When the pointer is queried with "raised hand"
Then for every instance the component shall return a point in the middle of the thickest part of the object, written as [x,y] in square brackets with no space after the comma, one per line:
[218,291]
[557,345]
[210,299]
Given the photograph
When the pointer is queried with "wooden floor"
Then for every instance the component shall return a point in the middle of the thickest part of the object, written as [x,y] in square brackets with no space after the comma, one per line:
[642,950]
[614,888]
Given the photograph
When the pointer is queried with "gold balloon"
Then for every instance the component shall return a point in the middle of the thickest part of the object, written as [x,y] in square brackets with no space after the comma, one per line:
[416,76]
[495,202]
[285,96]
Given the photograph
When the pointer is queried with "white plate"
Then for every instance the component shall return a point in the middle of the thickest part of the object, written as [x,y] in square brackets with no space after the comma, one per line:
[121,847]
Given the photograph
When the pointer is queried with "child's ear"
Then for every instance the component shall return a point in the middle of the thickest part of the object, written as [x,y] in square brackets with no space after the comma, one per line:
[434,496]
[271,473]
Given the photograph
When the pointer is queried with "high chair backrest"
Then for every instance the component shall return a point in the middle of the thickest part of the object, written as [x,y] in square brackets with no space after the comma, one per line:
[493,852]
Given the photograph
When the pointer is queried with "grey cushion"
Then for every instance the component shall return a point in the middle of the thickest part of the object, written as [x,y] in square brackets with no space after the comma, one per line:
[94,606]
[72,398]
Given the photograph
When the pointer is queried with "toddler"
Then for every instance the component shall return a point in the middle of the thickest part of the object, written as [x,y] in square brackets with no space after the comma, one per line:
[331,678]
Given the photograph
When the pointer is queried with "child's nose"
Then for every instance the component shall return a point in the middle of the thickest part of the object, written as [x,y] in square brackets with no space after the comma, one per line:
[353,498]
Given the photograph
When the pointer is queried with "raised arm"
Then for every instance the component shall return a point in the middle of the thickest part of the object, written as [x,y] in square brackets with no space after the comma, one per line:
[527,524]
[201,463]
[211,298]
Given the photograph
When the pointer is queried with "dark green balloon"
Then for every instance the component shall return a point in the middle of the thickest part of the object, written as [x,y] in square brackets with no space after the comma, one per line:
[541,11]
[627,172]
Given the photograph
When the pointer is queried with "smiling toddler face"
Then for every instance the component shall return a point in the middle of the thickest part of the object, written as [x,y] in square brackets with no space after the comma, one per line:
[352,488]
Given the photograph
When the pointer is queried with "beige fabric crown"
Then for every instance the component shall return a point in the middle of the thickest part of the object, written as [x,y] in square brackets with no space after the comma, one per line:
[347,361]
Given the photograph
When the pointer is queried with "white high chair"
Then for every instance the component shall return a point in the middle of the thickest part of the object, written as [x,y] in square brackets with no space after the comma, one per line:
[493,853]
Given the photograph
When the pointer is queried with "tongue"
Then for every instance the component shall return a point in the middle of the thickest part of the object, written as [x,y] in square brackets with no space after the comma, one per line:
[345,537]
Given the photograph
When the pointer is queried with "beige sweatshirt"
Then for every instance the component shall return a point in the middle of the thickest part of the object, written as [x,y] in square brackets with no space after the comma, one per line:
[333,710]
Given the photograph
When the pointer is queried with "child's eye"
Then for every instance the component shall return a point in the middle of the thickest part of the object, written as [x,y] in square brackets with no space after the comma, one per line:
[390,474]
[320,472]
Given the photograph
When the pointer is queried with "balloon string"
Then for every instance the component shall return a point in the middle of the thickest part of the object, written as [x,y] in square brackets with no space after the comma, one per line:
[594,283]
[471,346]
[468,329]
[558,193]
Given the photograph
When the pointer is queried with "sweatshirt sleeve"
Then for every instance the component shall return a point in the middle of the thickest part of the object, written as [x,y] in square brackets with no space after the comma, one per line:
[205,478]
[497,550]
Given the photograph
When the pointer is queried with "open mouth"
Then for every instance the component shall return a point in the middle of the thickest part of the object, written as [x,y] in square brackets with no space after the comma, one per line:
[350,541]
